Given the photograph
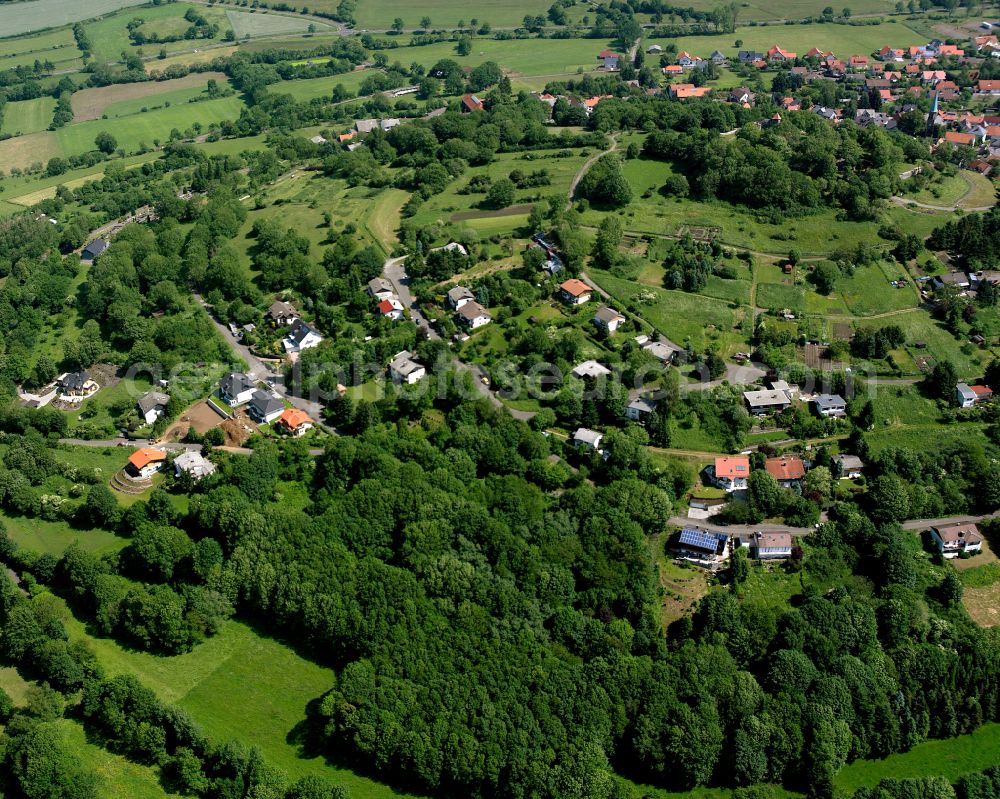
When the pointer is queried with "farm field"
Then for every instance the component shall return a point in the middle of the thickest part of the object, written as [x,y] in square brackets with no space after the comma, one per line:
[758,10]
[18,18]
[27,116]
[57,46]
[159,65]
[121,100]
[843,40]
[950,758]
[443,13]
[139,129]
[248,26]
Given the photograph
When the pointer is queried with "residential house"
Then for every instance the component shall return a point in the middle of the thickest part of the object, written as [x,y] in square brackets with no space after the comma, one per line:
[609,60]
[152,405]
[77,384]
[404,369]
[788,470]
[452,246]
[790,104]
[988,87]
[294,422]
[741,95]
[343,138]
[473,315]
[380,288]
[830,405]
[282,313]
[957,139]
[703,545]
[761,403]
[459,296]
[955,539]
[590,369]
[144,463]
[730,473]
[389,124]
[301,337]
[749,56]
[682,91]
[685,59]
[574,292]
[365,125]
[471,103]
[317,139]
[673,69]
[608,319]
[92,250]
[957,279]
[264,407]
[390,308]
[891,53]
[858,62]
[236,389]
[829,114]
[771,546]
[718,58]
[967,396]
[655,49]
[664,351]
[586,439]
[194,464]
[848,467]
[640,409]
[777,54]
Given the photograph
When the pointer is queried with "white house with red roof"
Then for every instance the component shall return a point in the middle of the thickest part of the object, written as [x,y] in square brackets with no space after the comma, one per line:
[730,473]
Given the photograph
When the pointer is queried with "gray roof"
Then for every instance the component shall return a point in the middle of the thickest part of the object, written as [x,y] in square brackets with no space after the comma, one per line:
[265,404]
[662,350]
[586,436]
[365,125]
[643,405]
[96,247]
[281,309]
[763,399]
[235,383]
[380,284]
[194,462]
[964,390]
[829,401]
[404,364]
[607,315]
[472,310]
[590,369]
[151,400]
[299,332]
[75,380]
[848,462]
[460,293]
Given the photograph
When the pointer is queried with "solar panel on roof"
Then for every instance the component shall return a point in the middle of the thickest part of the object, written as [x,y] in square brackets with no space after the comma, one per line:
[699,539]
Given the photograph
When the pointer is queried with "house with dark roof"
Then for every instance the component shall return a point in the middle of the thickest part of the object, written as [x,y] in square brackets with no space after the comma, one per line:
[761,403]
[301,337]
[701,545]
[771,546]
[264,407]
[92,250]
[236,389]
[473,315]
[847,467]
[282,313]
[664,351]
[152,405]
[830,405]
[458,296]
[404,369]
[77,384]
[640,409]
[608,319]
[609,60]
[380,289]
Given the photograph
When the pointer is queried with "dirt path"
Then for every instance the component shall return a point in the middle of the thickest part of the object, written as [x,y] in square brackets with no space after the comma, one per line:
[905,202]
[586,167]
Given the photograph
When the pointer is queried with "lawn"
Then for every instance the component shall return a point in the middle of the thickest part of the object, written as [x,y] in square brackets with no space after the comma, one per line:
[949,758]
[249,26]
[17,18]
[158,65]
[926,438]
[844,40]
[239,685]
[13,684]
[901,406]
[27,116]
[869,291]
[43,537]
[679,315]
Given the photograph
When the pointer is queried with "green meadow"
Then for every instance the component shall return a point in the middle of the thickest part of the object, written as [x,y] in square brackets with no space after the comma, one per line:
[110,36]
[443,13]
[27,116]
[18,18]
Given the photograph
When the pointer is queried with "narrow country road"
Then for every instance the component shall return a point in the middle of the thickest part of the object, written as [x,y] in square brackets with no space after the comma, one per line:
[903,201]
[743,529]
[586,167]
[262,370]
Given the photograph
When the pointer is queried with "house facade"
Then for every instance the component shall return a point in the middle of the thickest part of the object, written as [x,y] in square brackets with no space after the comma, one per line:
[236,389]
[302,336]
[404,369]
[574,292]
[588,440]
[771,546]
[458,296]
[955,539]
[788,470]
[265,408]
[194,464]
[144,463]
[152,405]
[830,406]
[761,403]
[473,315]
[294,422]
[731,473]
[608,319]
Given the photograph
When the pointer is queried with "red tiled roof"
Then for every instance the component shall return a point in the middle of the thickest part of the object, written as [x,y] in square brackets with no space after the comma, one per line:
[785,468]
[575,288]
[730,468]
[141,458]
[293,418]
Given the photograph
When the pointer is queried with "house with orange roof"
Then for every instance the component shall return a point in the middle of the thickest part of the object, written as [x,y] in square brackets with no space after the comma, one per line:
[471,103]
[790,104]
[294,422]
[815,52]
[144,463]
[982,41]
[891,53]
[988,87]
[949,50]
[673,69]
[858,62]
[730,473]
[777,54]
[759,63]
[885,95]
[575,292]
[788,470]
[682,91]
[960,139]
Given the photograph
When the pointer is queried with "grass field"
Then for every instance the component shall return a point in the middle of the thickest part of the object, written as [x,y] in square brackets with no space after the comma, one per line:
[383,218]
[920,327]
[27,116]
[310,88]
[38,535]
[160,65]
[18,18]
[239,685]
[57,46]
[950,758]
[129,98]
[249,26]
[110,35]
[443,13]
[844,40]
[794,9]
